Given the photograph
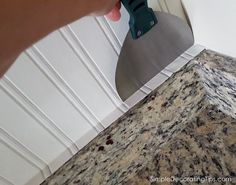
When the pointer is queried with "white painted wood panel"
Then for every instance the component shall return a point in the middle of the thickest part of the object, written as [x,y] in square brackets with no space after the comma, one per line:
[15,169]
[98,47]
[76,76]
[50,99]
[28,129]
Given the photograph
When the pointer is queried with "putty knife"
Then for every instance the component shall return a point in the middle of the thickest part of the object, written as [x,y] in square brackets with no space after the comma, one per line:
[154,41]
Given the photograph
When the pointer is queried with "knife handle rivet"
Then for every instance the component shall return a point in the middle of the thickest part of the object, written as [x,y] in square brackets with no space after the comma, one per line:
[139,33]
[152,23]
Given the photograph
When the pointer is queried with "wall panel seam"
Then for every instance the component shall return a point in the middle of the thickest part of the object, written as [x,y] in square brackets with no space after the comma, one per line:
[24,106]
[144,90]
[24,158]
[66,86]
[27,153]
[186,56]
[148,89]
[167,7]
[189,54]
[92,68]
[109,34]
[54,77]
[107,30]
[43,115]
[114,36]
[99,72]
[6,181]
[159,3]
[164,74]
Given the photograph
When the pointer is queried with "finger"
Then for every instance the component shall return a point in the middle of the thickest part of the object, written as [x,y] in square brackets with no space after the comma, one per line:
[114,15]
[118,5]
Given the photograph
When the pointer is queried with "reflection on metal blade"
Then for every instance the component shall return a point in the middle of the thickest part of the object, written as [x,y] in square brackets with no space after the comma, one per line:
[142,59]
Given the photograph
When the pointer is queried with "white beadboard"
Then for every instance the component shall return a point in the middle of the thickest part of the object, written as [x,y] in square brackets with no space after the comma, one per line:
[91,36]
[13,164]
[48,98]
[119,31]
[59,95]
[29,131]
[75,74]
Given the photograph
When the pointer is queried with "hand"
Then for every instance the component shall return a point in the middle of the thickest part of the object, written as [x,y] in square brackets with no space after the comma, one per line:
[110,8]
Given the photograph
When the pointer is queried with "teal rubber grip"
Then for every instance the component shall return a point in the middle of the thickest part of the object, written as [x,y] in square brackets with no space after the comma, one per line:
[142,18]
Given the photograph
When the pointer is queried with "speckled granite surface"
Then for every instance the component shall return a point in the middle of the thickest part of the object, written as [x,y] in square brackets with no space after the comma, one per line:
[185,128]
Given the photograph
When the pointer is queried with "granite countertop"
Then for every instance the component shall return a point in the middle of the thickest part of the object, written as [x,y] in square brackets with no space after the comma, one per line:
[185,128]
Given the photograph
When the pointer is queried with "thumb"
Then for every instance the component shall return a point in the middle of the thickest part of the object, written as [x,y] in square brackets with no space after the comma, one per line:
[115,14]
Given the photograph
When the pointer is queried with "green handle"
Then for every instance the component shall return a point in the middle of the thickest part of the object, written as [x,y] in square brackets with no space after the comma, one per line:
[142,18]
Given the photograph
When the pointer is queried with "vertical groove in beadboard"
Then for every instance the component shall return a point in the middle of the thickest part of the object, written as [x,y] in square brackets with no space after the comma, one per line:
[159,3]
[113,41]
[67,87]
[109,33]
[55,78]
[23,157]
[107,30]
[167,7]
[31,156]
[40,112]
[6,181]
[68,33]
[25,107]
[109,27]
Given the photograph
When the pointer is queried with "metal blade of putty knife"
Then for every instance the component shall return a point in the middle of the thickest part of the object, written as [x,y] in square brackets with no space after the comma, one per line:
[144,57]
